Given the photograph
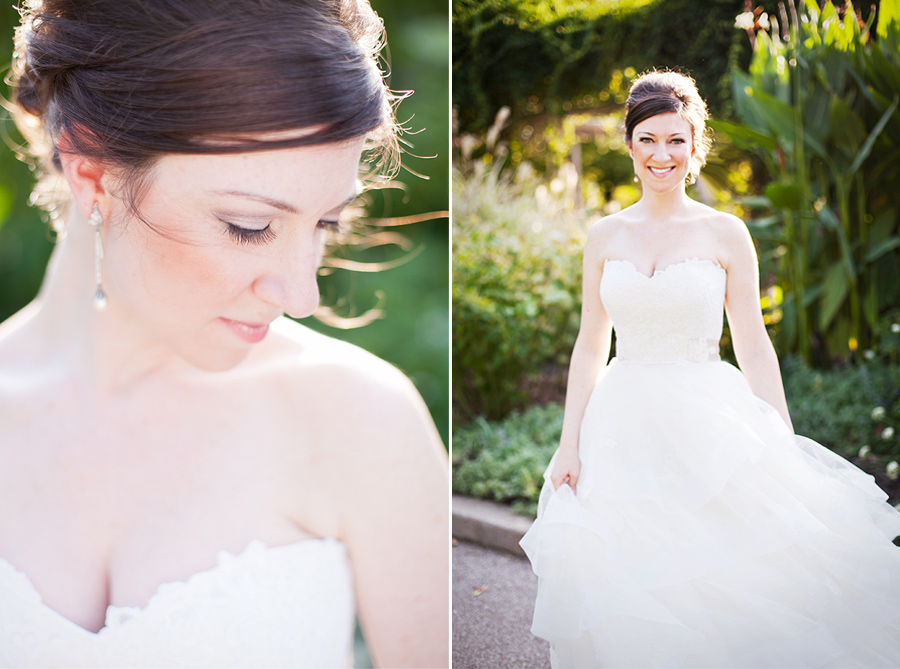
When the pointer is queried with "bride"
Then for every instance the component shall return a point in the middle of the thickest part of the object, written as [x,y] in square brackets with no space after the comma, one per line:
[187,477]
[682,523]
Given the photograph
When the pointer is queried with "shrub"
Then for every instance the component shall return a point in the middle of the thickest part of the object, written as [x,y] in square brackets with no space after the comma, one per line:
[836,407]
[516,287]
[505,461]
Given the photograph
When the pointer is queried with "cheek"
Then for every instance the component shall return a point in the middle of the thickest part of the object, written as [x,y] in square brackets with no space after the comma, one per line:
[151,272]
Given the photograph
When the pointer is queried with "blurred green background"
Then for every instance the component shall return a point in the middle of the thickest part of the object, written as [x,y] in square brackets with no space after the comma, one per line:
[413,333]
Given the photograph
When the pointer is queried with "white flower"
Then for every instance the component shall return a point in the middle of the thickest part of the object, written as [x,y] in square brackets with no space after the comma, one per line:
[744,21]
[887,433]
[895,327]
[864,451]
[877,413]
[763,21]
[869,354]
[892,470]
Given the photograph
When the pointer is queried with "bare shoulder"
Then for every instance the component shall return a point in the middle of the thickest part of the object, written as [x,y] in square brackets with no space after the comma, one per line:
[357,397]
[734,238]
[604,232]
[335,365]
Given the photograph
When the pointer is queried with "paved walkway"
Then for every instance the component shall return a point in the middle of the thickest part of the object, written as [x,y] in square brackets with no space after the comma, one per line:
[493,599]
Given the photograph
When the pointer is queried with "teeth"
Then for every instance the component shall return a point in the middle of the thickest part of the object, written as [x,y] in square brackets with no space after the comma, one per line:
[661,170]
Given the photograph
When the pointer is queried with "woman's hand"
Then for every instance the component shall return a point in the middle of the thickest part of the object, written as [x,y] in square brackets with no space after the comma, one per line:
[566,468]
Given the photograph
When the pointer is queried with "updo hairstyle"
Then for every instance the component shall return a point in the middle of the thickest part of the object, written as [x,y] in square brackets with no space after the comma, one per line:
[124,82]
[655,93]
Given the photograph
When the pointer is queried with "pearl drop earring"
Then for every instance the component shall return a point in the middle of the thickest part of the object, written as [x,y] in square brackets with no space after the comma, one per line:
[97,222]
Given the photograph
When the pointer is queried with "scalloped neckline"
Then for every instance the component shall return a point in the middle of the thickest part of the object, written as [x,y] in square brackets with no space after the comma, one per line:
[223,557]
[659,272]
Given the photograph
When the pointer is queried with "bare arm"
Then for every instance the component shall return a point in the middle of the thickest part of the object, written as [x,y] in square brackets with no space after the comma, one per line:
[752,346]
[396,526]
[588,357]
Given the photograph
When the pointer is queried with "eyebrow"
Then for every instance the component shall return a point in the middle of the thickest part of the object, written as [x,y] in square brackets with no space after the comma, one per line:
[674,134]
[278,204]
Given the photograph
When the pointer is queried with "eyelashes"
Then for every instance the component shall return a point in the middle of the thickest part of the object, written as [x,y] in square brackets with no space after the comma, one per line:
[330,226]
[250,235]
[265,235]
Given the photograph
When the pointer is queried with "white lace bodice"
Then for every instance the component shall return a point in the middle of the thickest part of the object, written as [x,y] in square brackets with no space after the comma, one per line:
[287,606]
[673,316]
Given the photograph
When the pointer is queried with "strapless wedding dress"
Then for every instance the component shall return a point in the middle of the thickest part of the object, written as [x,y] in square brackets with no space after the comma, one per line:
[703,533]
[287,606]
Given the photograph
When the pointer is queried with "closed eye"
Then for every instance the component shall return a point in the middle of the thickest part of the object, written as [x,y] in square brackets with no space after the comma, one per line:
[250,235]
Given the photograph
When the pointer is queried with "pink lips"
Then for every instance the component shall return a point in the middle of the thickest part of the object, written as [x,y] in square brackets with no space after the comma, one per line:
[251,333]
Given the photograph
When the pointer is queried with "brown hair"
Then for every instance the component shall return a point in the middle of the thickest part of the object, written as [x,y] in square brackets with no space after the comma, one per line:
[126,81]
[657,92]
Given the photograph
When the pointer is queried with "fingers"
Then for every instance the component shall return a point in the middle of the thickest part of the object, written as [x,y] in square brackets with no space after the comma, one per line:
[569,478]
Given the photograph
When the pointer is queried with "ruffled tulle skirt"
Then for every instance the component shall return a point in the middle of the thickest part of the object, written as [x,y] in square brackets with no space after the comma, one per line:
[704,534]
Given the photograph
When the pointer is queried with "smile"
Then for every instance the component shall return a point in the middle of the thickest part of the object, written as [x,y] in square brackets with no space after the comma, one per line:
[251,333]
[661,171]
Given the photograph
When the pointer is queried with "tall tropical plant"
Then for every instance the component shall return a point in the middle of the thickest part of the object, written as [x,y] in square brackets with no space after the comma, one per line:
[820,105]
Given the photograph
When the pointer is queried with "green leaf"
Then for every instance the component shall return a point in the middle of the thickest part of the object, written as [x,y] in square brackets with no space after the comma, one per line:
[849,130]
[785,195]
[834,289]
[744,137]
[764,222]
[778,115]
[888,13]
[882,226]
[870,304]
[754,201]
[877,250]
[870,140]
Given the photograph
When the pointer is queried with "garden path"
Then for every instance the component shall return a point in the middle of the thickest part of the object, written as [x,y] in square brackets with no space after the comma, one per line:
[493,599]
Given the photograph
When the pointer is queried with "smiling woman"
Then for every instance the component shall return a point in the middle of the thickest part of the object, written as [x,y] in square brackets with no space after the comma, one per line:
[682,523]
[198,480]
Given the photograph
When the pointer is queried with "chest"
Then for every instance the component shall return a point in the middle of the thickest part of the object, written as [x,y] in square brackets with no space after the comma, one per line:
[103,505]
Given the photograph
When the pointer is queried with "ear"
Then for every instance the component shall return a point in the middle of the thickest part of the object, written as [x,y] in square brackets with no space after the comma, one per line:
[88,182]
[630,148]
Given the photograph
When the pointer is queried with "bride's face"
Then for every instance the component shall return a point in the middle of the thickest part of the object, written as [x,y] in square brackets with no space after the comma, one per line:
[228,244]
[661,147]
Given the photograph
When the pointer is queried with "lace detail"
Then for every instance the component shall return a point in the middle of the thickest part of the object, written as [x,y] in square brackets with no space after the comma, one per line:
[673,316]
[265,607]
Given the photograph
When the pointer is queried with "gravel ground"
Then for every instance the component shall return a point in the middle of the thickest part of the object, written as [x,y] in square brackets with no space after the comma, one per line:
[493,599]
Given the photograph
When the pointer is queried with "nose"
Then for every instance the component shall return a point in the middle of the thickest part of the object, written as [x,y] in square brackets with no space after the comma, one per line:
[661,151]
[290,282]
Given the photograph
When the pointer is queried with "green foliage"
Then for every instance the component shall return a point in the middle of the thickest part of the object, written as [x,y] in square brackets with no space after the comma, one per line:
[516,287]
[835,407]
[552,57]
[505,461]
[821,110]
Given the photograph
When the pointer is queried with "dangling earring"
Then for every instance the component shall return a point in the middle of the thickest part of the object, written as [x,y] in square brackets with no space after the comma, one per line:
[97,222]
[636,179]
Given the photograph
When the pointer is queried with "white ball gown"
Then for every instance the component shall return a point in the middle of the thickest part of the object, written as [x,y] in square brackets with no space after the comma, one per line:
[703,533]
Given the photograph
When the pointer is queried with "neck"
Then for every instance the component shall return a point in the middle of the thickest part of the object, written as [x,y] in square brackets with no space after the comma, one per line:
[663,205]
[105,351]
